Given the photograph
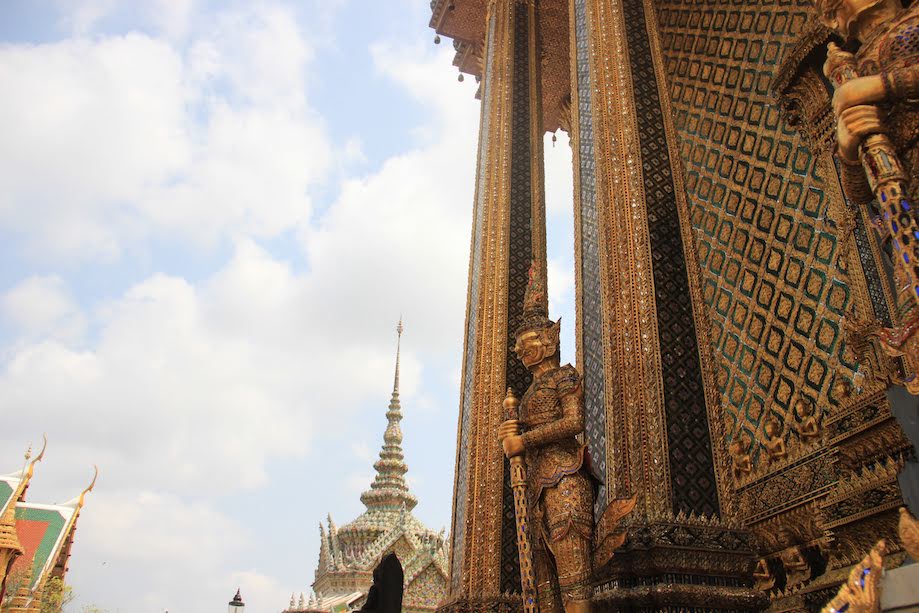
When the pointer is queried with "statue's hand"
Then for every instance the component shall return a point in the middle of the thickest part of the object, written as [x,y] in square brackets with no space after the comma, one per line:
[853,126]
[513,445]
[509,428]
[863,90]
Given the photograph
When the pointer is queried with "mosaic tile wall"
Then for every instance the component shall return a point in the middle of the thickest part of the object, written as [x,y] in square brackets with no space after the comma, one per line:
[759,208]
[519,260]
[591,314]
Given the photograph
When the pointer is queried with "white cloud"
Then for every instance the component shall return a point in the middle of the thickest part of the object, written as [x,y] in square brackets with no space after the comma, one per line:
[178,550]
[188,390]
[87,125]
[358,482]
[208,381]
[124,138]
[560,284]
[40,307]
[84,14]
[172,17]
[191,391]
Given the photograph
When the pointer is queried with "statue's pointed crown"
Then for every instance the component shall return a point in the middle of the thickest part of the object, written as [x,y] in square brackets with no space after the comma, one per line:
[535,314]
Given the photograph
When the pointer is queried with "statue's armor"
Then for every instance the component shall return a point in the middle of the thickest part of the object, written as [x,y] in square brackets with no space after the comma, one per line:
[560,486]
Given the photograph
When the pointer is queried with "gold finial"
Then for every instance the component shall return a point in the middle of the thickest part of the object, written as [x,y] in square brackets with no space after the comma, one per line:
[41,454]
[89,488]
[399,329]
[511,404]
[29,470]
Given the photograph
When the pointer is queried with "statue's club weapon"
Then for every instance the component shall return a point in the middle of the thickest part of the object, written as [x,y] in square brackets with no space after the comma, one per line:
[886,178]
[521,514]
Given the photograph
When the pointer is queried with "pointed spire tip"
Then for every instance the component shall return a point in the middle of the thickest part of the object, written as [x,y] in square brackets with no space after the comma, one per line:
[399,329]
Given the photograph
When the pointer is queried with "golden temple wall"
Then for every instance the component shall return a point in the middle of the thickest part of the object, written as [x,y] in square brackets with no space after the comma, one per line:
[783,260]
[764,208]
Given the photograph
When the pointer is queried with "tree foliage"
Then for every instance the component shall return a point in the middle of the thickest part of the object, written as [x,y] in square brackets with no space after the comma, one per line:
[14,581]
[55,595]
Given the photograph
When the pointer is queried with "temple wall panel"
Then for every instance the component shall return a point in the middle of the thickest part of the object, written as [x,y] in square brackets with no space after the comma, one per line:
[763,208]
[787,266]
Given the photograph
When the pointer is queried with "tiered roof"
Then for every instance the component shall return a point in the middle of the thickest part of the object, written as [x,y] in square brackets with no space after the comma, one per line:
[348,555]
[39,536]
[388,492]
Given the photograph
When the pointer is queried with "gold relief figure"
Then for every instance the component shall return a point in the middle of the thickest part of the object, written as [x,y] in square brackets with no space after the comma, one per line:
[775,444]
[809,429]
[763,576]
[797,569]
[740,458]
[560,486]
[842,389]
[876,105]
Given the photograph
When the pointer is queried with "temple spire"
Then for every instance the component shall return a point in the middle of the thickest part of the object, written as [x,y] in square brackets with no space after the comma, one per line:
[395,384]
[388,490]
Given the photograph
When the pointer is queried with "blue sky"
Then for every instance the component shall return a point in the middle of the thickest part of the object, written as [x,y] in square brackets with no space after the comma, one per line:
[212,215]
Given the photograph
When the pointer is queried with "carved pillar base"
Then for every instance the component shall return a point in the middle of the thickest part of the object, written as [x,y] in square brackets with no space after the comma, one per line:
[682,564]
[500,603]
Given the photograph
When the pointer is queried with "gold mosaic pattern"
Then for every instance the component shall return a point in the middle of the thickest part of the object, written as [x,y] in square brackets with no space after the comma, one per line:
[762,206]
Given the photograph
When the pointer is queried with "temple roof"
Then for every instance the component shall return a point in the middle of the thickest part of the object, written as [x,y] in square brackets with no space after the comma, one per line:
[348,555]
[464,22]
[42,530]
[13,486]
[9,488]
[12,489]
[46,533]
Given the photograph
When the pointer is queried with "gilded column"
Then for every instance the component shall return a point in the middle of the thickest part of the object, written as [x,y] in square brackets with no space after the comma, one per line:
[508,233]
[653,419]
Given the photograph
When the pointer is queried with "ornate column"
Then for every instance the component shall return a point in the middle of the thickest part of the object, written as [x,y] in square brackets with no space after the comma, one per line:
[508,233]
[654,422]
